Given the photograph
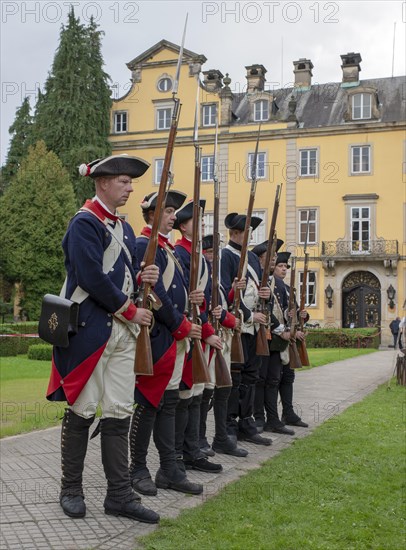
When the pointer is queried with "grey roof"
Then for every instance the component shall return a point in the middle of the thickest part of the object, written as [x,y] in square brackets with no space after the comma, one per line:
[324,105]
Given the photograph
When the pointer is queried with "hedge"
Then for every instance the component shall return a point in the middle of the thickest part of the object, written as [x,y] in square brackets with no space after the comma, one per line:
[40,352]
[27,327]
[343,338]
[17,345]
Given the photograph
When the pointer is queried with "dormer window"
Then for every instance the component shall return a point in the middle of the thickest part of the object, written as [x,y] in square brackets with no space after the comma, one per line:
[261,110]
[361,106]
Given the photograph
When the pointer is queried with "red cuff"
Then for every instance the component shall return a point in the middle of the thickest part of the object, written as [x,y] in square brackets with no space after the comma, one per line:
[129,312]
[207,330]
[139,281]
[203,307]
[183,329]
[229,320]
[231,296]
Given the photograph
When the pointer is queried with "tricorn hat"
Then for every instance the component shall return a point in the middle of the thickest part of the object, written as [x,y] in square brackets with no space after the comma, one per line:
[185,212]
[262,248]
[115,165]
[207,242]
[237,221]
[283,258]
[174,199]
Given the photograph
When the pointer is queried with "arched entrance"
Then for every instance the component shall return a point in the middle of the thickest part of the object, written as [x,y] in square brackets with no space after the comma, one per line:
[361,292]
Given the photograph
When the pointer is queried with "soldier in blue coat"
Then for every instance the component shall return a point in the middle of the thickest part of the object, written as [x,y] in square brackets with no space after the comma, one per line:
[157,396]
[97,367]
[244,375]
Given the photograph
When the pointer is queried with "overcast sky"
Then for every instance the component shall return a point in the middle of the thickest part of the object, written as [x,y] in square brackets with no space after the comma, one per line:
[230,34]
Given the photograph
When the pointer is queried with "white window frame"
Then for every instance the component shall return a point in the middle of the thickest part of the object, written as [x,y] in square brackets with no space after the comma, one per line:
[166,80]
[313,223]
[207,168]
[357,151]
[208,218]
[209,114]
[308,166]
[311,297]
[120,121]
[357,244]
[261,110]
[261,165]
[167,118]
[361,106]
[259,235]
[158,166]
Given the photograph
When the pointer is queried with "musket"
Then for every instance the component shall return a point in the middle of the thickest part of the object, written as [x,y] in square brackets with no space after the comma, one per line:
[200,368]
[143,363]
[262,338]
[223,377]
[304,357]
[294,359]
[237,353]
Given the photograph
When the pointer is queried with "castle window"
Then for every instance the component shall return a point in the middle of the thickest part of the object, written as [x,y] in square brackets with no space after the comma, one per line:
[261,110]
[209,113]
[361,106]
[120,122]
[165,84]
[308,162]
[258,236]
[158,166]
[360,159]
[310,294]
[163,118]
[308,218]
[261,160]
[207,168]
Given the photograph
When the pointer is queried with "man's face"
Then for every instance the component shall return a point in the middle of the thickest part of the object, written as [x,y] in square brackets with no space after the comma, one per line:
[237,236]
[262,260]
[208,254]
[280,270]
[116,191]
[187,228]
[167,220]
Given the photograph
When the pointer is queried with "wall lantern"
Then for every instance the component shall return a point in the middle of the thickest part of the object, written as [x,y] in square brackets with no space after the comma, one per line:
[391,296]
[329,295]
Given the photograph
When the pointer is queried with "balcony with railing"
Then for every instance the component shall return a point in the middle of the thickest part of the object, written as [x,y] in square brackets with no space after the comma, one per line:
[380,249]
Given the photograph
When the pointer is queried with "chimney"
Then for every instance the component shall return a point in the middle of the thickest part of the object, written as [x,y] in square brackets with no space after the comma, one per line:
[351,67]
[303,73]
[255,78]
[212,80]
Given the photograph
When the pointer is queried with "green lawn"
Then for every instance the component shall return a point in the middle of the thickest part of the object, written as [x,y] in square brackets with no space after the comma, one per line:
[23,384]
[341,488]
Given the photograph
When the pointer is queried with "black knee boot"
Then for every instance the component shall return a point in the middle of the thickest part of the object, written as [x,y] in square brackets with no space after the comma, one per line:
[233,403]
[222,443]
[140,435]
[169,475]
[120,499]
[74,439]
[271,407]
[192,456]
[205,406]
[259,412]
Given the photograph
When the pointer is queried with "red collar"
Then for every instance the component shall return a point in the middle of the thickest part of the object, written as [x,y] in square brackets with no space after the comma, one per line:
[185,243]
[163,242]
[97,209]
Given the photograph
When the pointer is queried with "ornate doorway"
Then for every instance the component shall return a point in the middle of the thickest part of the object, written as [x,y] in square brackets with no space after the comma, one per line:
[361,300]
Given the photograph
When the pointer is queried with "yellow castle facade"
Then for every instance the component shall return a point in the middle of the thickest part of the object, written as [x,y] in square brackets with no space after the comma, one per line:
[338,150]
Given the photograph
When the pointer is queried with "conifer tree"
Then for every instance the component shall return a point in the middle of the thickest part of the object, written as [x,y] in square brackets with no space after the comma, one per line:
[21,131]
[34,214]
[73,114]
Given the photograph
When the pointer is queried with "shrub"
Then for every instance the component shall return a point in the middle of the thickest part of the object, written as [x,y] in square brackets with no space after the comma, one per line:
[16,345]
[40,352]
[27,327]
[343,338]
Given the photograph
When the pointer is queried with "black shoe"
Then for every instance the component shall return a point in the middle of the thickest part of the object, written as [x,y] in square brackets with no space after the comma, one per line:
[73,505]
[259,425]
[203,465]
[298,423]
[256,439]
[229,448]
[183,486]
[207,450]
[282,430]
[131,509]
[145,486]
